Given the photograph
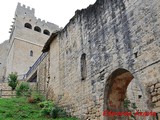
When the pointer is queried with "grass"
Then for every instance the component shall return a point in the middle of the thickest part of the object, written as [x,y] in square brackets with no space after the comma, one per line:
[20,109]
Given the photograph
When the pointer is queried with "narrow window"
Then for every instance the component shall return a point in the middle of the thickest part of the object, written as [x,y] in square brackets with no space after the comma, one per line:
[139,96]
[38,29]
[136,54]
[83,67]
[46,32]
[27,25]
[31,53]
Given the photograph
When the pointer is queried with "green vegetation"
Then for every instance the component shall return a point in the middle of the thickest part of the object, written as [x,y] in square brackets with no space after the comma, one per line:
[12,80]
[21,109]
[29,105]
[130,107]
[23,89]
[52,110]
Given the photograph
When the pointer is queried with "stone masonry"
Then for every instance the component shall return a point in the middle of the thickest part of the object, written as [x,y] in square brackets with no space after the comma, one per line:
[27,38]
[107,52]
[4,47]
[153,89]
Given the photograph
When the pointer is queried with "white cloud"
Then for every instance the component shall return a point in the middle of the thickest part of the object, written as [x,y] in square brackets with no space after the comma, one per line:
[55,11]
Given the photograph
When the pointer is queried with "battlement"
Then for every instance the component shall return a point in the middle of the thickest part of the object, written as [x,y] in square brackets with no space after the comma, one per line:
[25,18]
[23,10]
[27,8]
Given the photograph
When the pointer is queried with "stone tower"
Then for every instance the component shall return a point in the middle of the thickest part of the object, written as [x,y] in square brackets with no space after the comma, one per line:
[28,35]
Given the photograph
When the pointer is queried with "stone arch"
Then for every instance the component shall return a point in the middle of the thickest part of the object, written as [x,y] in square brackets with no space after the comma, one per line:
[46,32]
[38,29]
[115,90]
[28,25]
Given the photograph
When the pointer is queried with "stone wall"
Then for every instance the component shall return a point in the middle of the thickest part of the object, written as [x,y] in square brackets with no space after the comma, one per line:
[3,56]
[121,43]
[19,59]
[153,89]
[6,91]
[42,76]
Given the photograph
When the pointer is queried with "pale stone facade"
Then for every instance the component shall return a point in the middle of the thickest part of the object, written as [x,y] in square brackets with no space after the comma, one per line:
[117,44]
[28,35]
[3,56]
[6,91]
[153,89]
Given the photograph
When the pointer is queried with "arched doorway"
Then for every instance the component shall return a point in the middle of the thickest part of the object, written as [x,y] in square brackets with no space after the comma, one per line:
[115,91]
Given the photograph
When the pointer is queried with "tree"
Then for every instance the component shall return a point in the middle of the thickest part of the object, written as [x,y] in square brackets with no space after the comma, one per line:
[12,80]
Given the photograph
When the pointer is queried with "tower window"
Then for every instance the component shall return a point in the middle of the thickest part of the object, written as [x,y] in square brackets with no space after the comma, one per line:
[38,29]
[31,53]
[27,25]
[46,32]
[83,67]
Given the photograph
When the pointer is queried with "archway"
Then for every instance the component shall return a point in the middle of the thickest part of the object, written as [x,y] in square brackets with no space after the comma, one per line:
[27,25]
[115,91]
[38,29]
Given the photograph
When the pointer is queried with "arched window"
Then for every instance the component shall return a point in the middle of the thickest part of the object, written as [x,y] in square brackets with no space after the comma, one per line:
[83,67]
[38,29]
[31,53]
[27,25]
[46,32]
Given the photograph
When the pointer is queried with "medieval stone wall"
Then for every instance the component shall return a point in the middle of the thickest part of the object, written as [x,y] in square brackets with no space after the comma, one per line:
[153,89]
[42,75]
[3,56]
[116,36]
[6,91]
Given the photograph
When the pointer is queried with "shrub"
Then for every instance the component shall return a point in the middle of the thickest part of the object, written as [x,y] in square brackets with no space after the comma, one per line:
[12,80]
[57,112]
[23,89]
[37,96]
[52,110]
[45,111]
[46,107]
[46,104]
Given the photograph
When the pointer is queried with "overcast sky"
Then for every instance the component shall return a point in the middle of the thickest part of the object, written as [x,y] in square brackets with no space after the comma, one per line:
[55,11]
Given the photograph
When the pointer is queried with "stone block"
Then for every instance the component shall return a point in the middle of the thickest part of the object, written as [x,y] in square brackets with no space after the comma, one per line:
[151,88]
[157,85]
[157,109]
[157,104]
[153,93]
[154,99]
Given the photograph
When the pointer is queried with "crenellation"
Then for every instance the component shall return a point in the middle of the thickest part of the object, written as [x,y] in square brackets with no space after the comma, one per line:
[29,8]
[27,31]
[107,53]
[24,6]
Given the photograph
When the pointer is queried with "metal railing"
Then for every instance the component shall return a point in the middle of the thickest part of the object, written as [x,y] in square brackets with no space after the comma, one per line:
[35,65]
